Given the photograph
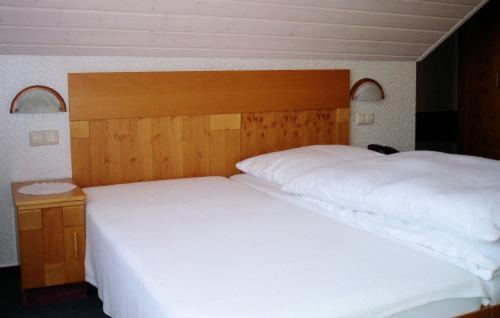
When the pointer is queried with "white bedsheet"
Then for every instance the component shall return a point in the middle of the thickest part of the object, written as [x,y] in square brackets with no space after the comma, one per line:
[363,221]
[211,247]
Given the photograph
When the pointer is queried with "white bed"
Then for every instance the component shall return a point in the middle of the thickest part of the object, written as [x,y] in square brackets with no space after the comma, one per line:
[213,247]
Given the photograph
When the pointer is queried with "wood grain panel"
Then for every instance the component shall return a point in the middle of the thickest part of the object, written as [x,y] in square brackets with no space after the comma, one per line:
[195,146]
[343,126]
[32,264]
[53,247]
[79,129]
[133,150]
[30,220]
[53,229]
[224,152]
[121,150]
[288,132]
[134,154]
[233,150]
[318,126]
[167,148]
[74,253]
[217,122]
[104,154]
[225,121]
[73,215]
[81,161]
[233,121]
[273,131]
[55,274]
[217,152]
[224,144]
[256,133]
[118,95]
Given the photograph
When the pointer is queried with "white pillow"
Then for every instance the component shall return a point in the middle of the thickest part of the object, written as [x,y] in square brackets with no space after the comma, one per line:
[458,194]
[281,166]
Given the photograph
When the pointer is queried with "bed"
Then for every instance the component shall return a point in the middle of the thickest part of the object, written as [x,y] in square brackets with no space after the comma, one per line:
[213,247]
[202,245]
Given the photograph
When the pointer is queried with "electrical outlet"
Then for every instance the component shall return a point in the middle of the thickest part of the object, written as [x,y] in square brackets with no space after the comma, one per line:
[44,137]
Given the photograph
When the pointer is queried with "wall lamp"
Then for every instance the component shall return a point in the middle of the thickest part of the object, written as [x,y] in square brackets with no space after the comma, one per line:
[367,89]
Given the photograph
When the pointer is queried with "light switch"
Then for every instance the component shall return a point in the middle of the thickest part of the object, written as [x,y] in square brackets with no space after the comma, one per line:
[369,118]
[360,119]
[44,137]
[51,137]
[365,118]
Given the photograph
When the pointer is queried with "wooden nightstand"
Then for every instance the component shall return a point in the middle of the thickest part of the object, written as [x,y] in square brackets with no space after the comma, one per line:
[51,244]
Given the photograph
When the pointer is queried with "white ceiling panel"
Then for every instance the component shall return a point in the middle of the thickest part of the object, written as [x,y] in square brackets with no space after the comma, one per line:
[316,29]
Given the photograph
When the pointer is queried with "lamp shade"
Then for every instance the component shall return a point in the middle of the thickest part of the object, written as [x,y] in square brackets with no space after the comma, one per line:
[38,99]
[367,89]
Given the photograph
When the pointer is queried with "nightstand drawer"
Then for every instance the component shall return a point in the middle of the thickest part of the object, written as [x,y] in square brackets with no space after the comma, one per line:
[30,220]
[74,215]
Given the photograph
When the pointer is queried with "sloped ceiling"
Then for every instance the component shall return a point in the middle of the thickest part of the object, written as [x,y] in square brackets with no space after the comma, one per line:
[311,29]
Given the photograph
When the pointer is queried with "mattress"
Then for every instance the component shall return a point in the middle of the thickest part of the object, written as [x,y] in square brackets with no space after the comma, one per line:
[212,247]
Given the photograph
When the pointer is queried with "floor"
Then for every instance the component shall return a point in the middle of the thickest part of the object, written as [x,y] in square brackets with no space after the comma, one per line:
[11,304]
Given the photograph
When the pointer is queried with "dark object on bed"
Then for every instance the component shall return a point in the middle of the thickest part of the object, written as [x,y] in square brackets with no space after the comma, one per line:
[386,150]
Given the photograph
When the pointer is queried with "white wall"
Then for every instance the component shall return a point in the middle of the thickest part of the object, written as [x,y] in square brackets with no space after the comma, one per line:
[394,122]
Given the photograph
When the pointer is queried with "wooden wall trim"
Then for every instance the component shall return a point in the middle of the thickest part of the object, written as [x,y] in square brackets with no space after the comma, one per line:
[159,94]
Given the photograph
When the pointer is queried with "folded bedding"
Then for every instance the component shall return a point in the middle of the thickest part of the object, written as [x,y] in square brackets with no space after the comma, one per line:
[456,194]
[479,258]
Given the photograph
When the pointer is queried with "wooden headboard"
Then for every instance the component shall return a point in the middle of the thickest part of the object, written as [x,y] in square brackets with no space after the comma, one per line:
[128,127]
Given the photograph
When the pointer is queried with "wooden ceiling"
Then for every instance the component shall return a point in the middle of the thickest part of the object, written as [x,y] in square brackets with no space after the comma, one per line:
[308,29]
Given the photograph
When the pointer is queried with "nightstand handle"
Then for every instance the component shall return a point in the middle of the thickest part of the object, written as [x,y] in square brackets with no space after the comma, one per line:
[75,245]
